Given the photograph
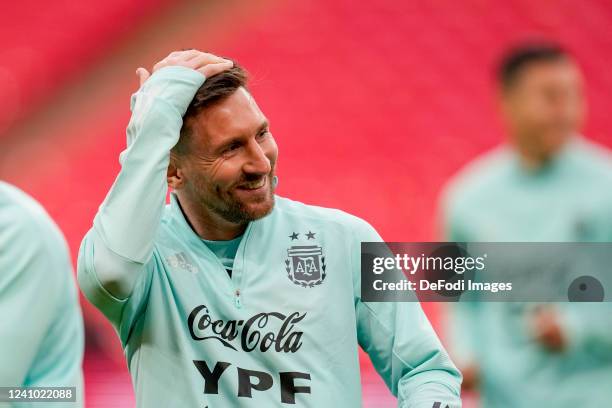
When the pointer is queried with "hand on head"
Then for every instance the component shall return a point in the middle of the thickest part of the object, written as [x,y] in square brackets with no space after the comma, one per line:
[203,62]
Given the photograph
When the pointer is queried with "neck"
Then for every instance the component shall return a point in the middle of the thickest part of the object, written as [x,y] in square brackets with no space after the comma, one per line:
[531,162]
[534,160]
[208,225]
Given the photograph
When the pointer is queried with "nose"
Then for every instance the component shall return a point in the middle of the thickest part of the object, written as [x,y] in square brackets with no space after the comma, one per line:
[257,162]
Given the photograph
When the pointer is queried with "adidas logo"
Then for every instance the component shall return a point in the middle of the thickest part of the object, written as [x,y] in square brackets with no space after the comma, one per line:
[181,261]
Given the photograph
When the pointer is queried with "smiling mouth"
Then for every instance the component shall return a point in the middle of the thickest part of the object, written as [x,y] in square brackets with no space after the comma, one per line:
[254,185]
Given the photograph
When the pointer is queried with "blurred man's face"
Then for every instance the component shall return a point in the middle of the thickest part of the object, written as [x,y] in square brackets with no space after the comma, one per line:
[230,167]
[544,107]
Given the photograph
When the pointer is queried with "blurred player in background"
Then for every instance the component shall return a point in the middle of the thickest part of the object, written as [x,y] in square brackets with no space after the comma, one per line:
[41,327]
[548,184]
[231,295]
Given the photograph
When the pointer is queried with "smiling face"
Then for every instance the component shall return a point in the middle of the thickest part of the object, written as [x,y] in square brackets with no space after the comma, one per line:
[228,168]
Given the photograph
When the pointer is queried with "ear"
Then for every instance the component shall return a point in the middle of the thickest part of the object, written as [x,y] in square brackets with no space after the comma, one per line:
[175,174]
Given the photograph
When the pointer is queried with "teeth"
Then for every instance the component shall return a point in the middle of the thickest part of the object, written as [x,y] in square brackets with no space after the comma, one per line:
[255,185]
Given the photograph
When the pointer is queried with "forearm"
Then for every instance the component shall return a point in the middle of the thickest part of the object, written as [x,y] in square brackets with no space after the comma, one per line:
[127,221]
[402,345]
[408,355]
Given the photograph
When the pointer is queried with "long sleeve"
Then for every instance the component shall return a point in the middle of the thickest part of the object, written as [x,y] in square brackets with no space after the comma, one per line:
[114,252]
[403,346]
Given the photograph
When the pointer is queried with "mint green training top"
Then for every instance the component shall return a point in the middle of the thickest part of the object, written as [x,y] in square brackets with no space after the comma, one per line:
[41,327]
[282,331]
[567,200]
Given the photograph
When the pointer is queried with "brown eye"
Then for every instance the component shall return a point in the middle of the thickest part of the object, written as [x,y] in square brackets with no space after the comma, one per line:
[263,134]
[231,148]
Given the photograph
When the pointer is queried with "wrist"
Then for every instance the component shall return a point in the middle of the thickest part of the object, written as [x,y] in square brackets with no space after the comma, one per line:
[176,85]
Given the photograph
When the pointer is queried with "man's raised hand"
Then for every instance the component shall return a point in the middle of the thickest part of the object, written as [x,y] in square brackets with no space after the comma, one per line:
[203,62]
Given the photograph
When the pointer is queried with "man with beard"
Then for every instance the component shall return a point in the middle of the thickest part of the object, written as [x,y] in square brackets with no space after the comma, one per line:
[231,295]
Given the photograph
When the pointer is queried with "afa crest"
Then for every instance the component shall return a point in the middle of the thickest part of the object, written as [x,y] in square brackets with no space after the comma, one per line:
[305,265]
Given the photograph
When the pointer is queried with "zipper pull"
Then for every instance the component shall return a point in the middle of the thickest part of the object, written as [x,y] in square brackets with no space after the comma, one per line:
[237,301]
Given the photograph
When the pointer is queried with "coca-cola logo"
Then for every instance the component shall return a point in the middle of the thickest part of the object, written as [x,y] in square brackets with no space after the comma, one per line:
[253,333]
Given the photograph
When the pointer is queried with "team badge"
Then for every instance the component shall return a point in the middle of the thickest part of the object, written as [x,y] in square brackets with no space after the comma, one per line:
[305,264]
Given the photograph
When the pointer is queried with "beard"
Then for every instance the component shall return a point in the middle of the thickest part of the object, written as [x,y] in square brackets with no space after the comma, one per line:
[227,204]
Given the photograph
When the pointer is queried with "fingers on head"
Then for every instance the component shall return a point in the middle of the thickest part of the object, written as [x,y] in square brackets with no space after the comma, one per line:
[207,63]
[204,59]
[216,68]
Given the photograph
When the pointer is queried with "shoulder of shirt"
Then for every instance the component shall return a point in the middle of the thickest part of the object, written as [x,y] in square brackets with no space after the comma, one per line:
[595,159]
[477,178]
[27,222]
[297,209]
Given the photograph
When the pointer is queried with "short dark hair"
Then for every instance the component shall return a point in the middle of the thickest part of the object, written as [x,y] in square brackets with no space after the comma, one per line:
[214,90]
[521,56]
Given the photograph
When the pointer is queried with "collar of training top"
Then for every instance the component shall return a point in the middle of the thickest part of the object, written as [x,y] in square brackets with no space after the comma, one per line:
[181,226]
